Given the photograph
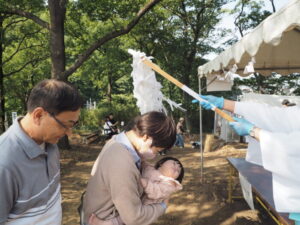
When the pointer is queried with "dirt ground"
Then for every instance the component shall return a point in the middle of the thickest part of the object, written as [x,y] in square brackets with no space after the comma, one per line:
[199,203]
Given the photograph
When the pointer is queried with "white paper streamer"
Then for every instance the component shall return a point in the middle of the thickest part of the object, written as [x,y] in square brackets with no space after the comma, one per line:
[173,104]
[250,66]
[229,76]
[147,90]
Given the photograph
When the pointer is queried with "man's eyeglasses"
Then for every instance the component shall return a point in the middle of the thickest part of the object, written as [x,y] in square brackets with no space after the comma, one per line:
[62,124]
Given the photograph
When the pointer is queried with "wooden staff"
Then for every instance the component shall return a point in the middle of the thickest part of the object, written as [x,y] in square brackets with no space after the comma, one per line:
[185,88]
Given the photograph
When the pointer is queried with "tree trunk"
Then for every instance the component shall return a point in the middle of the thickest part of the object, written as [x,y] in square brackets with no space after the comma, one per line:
[2,99]
[57,43]
[57,9]
[188,65]
[273,6]
[109,89]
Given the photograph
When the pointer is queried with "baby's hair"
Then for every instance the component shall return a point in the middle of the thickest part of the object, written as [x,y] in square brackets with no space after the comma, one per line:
[163,160]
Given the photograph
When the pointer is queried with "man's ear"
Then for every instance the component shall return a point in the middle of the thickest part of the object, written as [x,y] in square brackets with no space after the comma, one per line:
[37,114]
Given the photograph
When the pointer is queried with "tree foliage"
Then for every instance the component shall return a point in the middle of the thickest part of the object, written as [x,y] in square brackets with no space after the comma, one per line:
[275,84]
[88,46]
[248,14]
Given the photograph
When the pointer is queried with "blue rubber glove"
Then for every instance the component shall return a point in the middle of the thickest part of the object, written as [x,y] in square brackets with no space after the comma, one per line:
[216,101]
[242,127]
[296,217]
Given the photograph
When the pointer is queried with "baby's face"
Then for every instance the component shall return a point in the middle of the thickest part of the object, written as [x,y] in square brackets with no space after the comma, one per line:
[170,168]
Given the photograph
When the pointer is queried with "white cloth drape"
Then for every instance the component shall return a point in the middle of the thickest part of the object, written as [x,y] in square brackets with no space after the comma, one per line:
[281,156]
[278,150]
[270,118]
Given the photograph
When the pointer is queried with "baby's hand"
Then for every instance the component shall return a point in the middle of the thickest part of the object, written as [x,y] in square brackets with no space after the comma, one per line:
[144,182]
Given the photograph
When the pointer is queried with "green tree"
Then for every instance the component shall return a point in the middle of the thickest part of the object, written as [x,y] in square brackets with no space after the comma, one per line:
[274,84]
[57,15]
[21,49]
[178,34]
[123,15]
[248,14]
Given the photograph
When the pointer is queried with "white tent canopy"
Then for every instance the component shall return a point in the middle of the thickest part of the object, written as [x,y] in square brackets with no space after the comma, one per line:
[274,44]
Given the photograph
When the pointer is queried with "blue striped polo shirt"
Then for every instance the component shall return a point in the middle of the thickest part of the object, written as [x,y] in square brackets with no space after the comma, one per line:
[30,180]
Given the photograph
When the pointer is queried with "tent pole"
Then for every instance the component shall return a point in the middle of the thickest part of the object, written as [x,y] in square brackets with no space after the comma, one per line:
[200,133]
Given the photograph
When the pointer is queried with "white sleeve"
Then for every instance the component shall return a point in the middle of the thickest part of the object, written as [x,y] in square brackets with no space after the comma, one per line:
[279,151]
[271,118]
[281,156]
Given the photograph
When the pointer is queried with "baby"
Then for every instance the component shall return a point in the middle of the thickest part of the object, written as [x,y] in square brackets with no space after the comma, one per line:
[158,181]
[161,180]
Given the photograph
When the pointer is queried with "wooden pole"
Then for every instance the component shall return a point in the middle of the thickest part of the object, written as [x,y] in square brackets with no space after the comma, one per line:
[185,88]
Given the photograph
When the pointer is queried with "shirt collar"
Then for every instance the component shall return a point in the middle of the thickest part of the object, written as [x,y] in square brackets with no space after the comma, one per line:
[30,147]
[122,138]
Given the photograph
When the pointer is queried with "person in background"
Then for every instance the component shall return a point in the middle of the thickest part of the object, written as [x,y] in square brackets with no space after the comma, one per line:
[274,134]
[114,188]
[29,157]
[179,133]
[113,122]
[108,129]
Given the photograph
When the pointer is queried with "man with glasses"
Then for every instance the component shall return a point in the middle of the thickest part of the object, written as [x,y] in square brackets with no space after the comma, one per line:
[29,157]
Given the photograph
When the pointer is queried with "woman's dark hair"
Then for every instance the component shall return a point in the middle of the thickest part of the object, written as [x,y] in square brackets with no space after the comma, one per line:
[156,125]
[54,96]
[163,160]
